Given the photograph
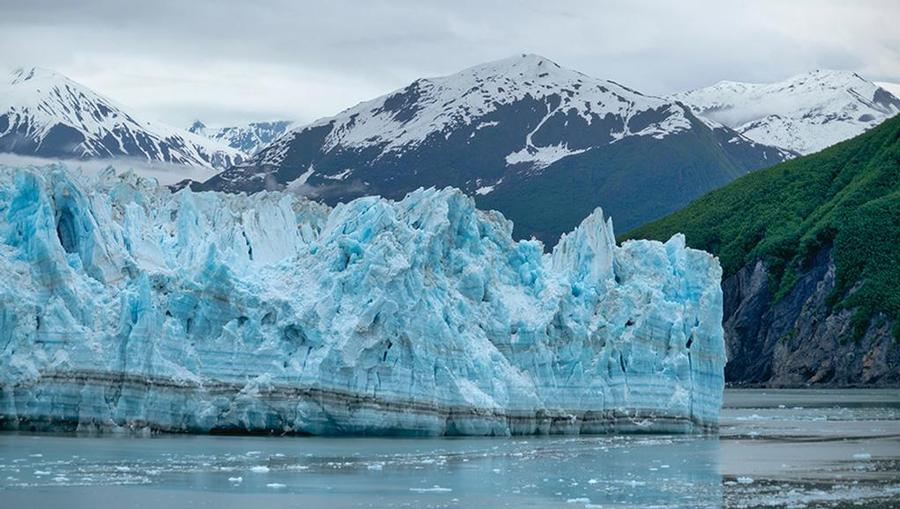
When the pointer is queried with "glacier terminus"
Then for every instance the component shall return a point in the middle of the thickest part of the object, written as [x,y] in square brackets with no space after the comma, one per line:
[126,306]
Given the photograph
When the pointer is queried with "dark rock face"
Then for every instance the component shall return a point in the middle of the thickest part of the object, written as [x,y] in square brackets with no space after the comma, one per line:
[797,340]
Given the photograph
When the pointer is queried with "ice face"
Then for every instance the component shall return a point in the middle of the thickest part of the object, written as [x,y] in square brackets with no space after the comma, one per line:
[125,305]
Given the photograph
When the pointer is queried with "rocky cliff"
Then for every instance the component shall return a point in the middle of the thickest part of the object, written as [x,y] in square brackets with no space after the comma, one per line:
[811,255]
[799,339]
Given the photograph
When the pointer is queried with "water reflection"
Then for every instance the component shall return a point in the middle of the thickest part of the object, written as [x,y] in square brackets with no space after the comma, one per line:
[776,449]
[675,472]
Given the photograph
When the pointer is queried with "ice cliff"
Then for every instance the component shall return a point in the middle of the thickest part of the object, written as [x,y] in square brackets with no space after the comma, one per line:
[124,305]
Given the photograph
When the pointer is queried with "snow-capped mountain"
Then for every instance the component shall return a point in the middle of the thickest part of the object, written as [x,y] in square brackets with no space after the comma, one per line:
[249,138]
[804,114]
[542,144]
[43,113]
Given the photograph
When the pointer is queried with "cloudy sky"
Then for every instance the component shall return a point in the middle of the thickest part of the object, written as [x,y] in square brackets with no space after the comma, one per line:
[230,61]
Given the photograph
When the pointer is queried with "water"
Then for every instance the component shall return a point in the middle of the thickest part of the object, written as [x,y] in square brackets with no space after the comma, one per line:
[777,448]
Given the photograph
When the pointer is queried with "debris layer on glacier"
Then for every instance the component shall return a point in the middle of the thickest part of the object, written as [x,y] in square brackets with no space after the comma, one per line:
[123,305]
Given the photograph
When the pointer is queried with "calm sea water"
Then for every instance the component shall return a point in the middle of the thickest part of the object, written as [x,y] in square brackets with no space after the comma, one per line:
[776,448]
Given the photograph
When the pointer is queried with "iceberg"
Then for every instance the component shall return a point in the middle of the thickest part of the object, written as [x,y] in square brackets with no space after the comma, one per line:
[124,305]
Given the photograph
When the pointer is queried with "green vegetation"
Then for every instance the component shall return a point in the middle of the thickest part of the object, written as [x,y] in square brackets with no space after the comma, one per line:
[847,196]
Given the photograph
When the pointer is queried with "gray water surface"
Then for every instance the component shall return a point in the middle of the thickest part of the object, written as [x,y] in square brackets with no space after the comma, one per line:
[776,448]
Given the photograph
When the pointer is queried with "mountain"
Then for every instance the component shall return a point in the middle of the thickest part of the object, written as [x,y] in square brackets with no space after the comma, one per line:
[543,144]
[811,260]
[45,114]
[125,305]
[803,114]
[249,138]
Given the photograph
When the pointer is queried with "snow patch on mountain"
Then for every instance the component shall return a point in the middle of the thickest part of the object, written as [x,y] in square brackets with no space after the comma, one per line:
[541,157]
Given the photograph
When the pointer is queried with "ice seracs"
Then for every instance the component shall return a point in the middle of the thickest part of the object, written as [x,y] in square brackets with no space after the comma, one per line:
[125,305]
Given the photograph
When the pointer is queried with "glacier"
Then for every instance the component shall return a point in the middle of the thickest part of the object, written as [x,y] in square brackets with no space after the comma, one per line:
[126,306]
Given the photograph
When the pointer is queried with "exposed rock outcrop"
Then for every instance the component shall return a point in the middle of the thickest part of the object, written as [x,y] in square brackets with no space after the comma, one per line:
[799,339]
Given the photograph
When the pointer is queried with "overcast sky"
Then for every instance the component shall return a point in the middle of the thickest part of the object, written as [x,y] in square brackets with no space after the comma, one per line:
[230,61]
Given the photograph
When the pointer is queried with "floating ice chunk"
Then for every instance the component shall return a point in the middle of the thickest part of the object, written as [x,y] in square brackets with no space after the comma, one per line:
[259,469]
[433,489]
[862,456]
[276,485]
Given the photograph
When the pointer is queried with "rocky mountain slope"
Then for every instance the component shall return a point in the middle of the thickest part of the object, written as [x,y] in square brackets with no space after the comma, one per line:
[45,114]
[812,264]
[543,144]
[803,114]
[248,138]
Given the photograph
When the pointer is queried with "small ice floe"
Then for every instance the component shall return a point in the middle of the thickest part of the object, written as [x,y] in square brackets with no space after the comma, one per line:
[862,456]
[36,455]
[235,479]
[259,469]
[582,500]
[433,489]
[41,472]
[745,480]
[276,485]
[376,466]
[593,481]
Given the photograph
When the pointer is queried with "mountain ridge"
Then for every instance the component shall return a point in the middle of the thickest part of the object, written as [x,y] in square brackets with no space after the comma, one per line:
[804,113]
[249,138]
[503,129]
[46,114]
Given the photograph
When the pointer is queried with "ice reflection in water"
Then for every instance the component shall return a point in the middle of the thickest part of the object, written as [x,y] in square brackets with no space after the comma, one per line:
[533,472]
[812,452]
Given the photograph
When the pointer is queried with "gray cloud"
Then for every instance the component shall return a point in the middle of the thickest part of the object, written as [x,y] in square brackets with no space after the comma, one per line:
[227,61]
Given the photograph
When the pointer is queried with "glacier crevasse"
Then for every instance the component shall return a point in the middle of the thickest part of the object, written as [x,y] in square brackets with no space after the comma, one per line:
[124,305]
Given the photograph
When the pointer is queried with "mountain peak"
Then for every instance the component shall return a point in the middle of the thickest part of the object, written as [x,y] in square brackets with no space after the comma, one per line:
[50,115]
[23,74]
[521,66]
[197,127]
